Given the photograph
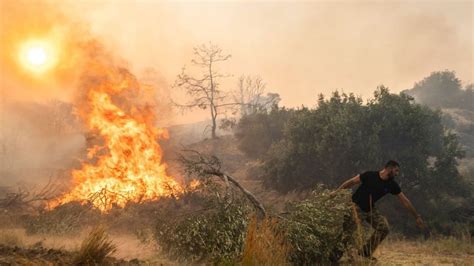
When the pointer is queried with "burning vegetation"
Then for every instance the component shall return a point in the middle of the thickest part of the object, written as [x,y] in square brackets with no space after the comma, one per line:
[127,165]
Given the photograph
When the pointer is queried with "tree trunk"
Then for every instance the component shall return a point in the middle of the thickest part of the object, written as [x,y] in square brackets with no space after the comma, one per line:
[214,136]
[214,123]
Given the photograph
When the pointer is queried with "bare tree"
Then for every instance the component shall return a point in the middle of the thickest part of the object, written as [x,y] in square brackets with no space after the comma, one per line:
[204,91]
[249,99]
[250,95]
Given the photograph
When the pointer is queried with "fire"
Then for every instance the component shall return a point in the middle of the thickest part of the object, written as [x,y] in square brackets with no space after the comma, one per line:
[128,166]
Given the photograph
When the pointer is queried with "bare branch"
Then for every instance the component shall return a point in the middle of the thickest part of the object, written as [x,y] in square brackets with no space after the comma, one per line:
[28,198]
[197,164]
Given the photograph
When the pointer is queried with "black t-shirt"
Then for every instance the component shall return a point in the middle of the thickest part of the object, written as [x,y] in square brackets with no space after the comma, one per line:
[372,188]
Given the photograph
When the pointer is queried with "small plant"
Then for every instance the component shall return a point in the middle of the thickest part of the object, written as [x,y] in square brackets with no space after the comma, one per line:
[95,248]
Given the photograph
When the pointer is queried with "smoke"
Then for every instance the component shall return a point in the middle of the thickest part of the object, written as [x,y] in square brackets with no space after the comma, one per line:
[43,134]
[300,48]
[35,144]
[38,141]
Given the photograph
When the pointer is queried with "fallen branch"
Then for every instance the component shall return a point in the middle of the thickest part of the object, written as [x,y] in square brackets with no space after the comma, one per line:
[203,166]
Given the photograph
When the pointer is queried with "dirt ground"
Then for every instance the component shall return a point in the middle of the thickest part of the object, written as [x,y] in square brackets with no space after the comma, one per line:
[391,252]
[60,248]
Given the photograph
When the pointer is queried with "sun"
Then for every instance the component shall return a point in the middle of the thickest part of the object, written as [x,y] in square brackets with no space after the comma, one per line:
[37,56]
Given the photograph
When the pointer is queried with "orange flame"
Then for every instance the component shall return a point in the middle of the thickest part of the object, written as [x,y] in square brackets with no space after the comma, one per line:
[128,166]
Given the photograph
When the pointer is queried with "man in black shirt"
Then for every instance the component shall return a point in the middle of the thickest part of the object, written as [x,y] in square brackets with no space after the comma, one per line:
[373,186]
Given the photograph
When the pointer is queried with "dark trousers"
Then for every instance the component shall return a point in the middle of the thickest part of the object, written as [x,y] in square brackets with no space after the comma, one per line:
[377,221]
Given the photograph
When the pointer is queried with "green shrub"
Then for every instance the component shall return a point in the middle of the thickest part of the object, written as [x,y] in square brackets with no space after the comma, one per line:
[256,132]
[209,225]
[313,228]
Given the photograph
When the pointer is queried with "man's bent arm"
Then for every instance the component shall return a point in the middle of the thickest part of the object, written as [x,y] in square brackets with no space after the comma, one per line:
[349,183]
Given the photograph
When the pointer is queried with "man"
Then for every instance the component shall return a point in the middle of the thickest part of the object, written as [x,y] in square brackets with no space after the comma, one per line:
[373,186]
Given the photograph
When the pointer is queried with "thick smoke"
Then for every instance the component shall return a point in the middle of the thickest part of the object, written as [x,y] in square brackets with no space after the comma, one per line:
[300,48]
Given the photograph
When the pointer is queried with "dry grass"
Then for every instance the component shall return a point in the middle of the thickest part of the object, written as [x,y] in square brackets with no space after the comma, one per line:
[11,238]
[95,248]
[397,250]
[264,245]
[452,245]
[437,251]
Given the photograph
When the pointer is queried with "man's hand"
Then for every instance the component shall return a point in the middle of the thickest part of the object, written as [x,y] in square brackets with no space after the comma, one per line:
[333,193]
[420,223]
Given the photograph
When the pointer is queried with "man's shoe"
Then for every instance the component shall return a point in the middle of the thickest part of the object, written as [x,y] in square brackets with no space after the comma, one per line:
[373,259]
[367,256]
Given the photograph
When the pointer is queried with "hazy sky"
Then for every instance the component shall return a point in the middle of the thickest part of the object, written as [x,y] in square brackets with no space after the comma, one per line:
[300,49]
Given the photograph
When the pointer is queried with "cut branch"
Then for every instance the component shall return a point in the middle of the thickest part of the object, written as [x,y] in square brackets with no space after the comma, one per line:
[207,166]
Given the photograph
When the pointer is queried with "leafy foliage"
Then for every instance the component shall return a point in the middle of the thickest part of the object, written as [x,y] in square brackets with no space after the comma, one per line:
[210,226]
[321,145]
[257,131]
[442,89]
[314,229]
[343,137]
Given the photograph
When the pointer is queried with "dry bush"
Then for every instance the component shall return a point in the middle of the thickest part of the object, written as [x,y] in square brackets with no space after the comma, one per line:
[68,218]
[95,248]
[26,199]
[265,244]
